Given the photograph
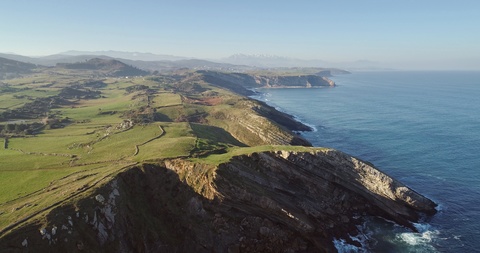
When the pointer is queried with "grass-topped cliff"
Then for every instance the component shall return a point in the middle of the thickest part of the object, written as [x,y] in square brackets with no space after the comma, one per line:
[180,162]
[56,127]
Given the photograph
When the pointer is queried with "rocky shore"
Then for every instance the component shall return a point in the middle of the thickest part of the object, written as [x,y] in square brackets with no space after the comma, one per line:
[244,182]
[272,201]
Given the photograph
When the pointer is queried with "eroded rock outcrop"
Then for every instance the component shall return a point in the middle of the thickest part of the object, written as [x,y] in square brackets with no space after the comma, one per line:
[255,123]
[275,201]
[240,82]
[300,81]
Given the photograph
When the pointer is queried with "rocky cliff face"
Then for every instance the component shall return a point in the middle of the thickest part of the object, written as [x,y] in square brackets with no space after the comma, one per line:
[233,81]
[255,123]
[301,81]
[276,201]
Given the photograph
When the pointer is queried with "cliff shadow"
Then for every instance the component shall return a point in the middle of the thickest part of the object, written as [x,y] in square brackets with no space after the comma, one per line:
[215,134]
[144,209]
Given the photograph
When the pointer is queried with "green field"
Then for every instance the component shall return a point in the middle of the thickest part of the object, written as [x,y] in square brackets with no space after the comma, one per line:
[76,142]
[92,140]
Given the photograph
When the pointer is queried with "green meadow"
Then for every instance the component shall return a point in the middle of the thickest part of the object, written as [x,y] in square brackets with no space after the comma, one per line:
[79,142]
[64,134]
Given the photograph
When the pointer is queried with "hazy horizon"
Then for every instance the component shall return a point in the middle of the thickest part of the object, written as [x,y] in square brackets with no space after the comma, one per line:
[403,35]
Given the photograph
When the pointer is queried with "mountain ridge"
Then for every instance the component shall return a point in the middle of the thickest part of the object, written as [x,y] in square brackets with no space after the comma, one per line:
[127,55]
[239,60]
[110,66]
[12,68]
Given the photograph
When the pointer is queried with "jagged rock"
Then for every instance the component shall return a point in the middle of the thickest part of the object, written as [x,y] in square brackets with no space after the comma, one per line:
[80,246]
[195,207]
[236,81]
[235,248]
[47,236]
[94,221]
[109,214]
[276,201]
[100,198]
[102,233]
[264,231]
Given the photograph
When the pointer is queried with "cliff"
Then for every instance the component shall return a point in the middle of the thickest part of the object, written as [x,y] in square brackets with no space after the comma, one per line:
[269,200]
[256,123]
[176,164]
[301,81]
[237,81]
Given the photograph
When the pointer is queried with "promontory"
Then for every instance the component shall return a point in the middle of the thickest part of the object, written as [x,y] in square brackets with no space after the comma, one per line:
[100,156]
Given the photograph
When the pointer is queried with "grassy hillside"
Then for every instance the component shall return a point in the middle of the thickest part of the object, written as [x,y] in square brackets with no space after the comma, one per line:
[110,67]
[11,68]
[64,133]
[177,163]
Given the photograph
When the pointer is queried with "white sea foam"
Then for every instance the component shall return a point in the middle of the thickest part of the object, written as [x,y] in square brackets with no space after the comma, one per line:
[424,115]
[439,207]
[314,129]
[426,234]
[343,247]
[363,237]
[263,96]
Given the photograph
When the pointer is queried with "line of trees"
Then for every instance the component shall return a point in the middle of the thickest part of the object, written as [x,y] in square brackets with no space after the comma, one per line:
[19,129]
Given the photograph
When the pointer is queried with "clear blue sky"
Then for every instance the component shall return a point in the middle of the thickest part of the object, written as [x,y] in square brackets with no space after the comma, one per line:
[440,33]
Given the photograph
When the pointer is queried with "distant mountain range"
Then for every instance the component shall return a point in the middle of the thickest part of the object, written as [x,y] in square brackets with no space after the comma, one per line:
[141,62]
[133,59]
[273,61]
[136,56]
[161,62]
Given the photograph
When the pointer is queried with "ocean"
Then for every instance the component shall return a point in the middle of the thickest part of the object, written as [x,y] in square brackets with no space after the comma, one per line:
[422,128]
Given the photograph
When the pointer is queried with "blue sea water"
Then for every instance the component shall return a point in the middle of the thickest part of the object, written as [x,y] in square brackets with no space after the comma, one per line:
[422,128]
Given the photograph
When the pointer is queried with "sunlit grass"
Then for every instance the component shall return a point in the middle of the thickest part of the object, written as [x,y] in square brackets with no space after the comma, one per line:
[37,171]
[15,160]
[238,151]
[166,99]
[20,182]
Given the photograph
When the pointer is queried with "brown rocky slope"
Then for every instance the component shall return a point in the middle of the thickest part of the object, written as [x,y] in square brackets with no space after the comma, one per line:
[265,201]
[238,82]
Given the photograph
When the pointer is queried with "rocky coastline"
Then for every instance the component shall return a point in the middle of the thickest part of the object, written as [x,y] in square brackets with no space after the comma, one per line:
[242,83]
[271,192]
[267,201]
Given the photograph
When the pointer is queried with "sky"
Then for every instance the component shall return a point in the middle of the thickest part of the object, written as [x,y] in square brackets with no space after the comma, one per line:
[417,34]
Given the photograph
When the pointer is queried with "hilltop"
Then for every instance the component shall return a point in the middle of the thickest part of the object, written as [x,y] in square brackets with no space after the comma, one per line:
[11,68]
[136,56]
[109,66]
[177,162]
